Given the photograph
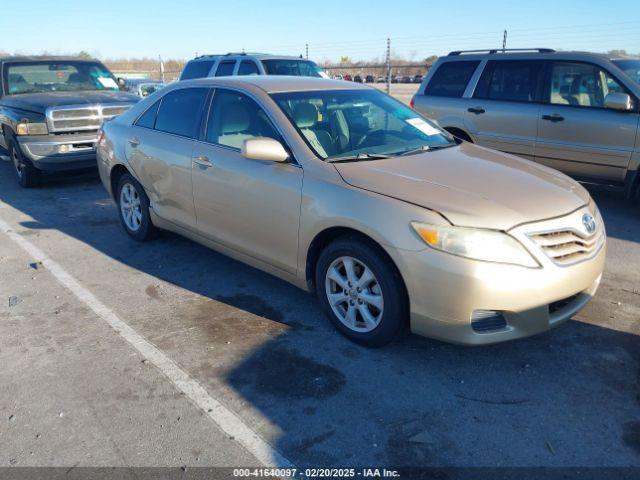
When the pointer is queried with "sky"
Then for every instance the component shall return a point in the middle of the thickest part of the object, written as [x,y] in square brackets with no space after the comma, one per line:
[331,28]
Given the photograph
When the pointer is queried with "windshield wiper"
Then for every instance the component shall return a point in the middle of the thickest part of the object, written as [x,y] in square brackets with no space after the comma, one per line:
[424,148]
[411,151]
[358,157]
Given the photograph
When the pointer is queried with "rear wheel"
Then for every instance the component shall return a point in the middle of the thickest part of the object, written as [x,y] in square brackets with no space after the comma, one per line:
[361,292]
[133,209]
[28,175]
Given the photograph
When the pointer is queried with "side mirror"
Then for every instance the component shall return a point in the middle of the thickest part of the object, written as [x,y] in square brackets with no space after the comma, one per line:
[618,101]
[122,82]
[263,148]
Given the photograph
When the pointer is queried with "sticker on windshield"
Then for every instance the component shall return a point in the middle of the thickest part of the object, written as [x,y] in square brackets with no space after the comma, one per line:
[108,82]
[423,126]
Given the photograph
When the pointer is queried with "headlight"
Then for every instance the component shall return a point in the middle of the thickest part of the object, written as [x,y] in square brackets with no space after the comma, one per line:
[27,128]
[477,244]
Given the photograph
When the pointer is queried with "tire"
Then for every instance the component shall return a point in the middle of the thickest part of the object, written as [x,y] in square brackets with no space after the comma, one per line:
[133,209]
[28,176]
[459,134]
[383,300]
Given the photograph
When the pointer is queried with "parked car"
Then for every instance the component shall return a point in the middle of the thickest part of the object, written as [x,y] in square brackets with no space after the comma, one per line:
[381,79]
[395,222]
[348,78]
[231,64]
[574,111]
[405,79]
[50,112]
[143,87]
[369,79]
[396,79]
[337,77]
[357,79]
[417,79]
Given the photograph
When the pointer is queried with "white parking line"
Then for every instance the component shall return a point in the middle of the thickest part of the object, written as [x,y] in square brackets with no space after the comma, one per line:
[224,418]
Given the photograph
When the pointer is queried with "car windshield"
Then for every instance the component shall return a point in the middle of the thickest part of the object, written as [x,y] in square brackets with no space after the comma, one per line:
[35,77]
[630,67]
[359,124]
[299,68]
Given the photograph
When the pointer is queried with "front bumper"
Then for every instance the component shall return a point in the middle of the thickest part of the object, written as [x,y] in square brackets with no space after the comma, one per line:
[59,152]
[445,290]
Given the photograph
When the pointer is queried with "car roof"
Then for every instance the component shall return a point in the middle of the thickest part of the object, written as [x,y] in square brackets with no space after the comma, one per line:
[260,56]
[277,83]
[524,54]
[45,58]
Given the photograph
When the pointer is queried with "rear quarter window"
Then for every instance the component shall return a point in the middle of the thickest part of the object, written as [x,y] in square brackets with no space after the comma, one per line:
[148,118]
[197,69]
[451,78]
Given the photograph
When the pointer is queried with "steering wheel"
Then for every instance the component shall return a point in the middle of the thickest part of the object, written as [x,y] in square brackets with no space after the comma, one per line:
[372,139]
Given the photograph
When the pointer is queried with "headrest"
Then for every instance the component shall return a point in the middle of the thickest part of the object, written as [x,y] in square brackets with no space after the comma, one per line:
[235,118]
[16,78]
[78,77]
[305,115]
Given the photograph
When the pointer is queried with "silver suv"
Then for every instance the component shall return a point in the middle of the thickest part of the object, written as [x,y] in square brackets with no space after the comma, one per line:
[249,64]
[574,111]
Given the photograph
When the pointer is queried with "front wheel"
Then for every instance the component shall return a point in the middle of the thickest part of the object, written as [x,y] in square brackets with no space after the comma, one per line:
[28,175]
[361,292]
[133,209]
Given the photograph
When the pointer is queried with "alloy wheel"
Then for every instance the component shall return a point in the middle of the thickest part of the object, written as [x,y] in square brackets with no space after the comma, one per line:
[130,207]
[17,164]
[354,294]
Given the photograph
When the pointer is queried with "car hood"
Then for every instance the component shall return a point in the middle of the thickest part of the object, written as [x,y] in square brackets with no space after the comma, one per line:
[39,102]
[471,186]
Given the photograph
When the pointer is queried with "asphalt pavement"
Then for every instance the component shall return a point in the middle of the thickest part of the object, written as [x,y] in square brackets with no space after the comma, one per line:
[76,391]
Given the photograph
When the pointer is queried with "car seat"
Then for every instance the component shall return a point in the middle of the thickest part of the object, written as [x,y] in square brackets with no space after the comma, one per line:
[305,116]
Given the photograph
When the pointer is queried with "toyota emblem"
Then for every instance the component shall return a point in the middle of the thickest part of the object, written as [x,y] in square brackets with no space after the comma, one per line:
[589,223]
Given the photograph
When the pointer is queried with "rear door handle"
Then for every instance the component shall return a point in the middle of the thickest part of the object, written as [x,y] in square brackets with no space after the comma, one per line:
[203,161]
[553,118]
[476,110]
[134,142]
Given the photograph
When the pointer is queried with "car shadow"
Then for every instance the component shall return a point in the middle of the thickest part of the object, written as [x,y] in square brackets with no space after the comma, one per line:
[569,397]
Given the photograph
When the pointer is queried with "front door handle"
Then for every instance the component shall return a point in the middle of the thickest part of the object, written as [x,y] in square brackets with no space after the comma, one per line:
[203,161]
[476,110]
[553,118]
[134,142]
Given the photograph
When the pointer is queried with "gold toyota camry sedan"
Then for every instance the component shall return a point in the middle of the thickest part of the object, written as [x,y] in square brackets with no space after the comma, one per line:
[342,190]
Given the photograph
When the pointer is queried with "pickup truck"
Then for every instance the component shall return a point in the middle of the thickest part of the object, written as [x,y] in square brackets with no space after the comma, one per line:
[51,109]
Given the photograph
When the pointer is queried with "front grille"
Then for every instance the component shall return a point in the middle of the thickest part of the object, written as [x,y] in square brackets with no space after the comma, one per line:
[566,247]
[110,112]
[79,118]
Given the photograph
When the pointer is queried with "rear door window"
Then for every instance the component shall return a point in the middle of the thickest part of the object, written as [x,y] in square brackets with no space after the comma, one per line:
[225,68]
[180,112]
[511,81]
[451,79]
[248,67]
[197,69]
